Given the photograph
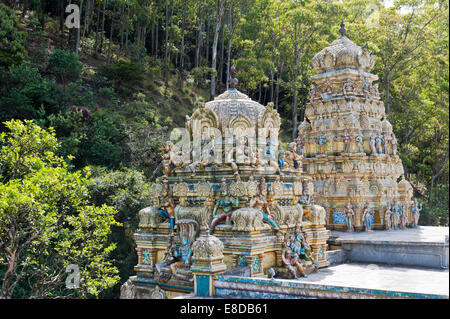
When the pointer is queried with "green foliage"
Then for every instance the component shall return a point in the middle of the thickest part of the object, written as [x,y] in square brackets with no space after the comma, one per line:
[12,41]
[47,221]
[93,138]
[128,192]
[65,65]
[202,76]
[435,212]
[123,75]
[26,92]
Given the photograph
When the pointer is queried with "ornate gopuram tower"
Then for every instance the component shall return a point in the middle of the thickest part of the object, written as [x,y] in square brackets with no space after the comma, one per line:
[349,149]
[226,176]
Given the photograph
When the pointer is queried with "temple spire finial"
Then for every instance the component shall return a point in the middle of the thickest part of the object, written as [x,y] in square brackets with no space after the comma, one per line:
[342,29]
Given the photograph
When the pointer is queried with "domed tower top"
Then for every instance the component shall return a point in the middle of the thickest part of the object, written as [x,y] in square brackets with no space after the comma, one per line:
[236,111]
[343,53]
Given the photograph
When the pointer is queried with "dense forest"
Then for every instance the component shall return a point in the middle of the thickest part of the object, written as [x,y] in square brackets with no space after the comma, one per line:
[84,111]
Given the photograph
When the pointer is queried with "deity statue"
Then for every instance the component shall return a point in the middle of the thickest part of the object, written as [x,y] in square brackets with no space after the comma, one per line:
[271,156]
[366,88]
[372,144]
[281,157]
[259,202]
[403,217]
[227,203]
[348,88]
[394,144]
[168,158]
[395,214]
[346,141]
[321,141]
[388,217]
[300,143]
[293,158]
[291,261]
[360,143]
[349,215]
[367,217]
[416,209]
[306,196]
[166,204]
[378,141]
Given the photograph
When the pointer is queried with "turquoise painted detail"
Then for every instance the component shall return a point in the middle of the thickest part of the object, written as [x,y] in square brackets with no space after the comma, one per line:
[320,253]
[202,285]
[256,265]
[242,261]
[145,256]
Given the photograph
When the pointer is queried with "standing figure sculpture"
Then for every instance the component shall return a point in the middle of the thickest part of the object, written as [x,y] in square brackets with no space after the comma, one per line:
[395,214]
[372,144]
[416,209]
[321,141]
[166,204]
[378,141]
[168,158]
[349,214]
[367,217]
[394,144]
[300,143]
[227,203]
[360,143]
[388,217]
[403,217]
[259,202]
[346,141]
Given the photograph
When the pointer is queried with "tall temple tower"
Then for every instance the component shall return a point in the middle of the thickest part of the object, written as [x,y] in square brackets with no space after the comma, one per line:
[349,149]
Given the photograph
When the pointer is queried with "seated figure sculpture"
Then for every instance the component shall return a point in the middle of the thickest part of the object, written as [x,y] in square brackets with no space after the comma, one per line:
[259,202]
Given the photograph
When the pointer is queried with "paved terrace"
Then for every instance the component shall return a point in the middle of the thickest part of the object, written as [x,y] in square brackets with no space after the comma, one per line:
[421,234]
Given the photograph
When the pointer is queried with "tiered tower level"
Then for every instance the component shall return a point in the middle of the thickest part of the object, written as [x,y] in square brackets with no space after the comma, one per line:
[349,148]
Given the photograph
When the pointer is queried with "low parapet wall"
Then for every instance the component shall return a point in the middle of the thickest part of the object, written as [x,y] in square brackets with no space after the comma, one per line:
[243,287]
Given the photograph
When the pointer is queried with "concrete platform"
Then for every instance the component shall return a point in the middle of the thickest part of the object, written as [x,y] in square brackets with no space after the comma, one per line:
[425,246]
[346,281]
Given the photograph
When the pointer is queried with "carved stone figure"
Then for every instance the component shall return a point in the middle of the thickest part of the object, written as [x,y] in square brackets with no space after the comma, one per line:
[226,203]
[360,143]
[367,217]
[394,144]
[168,158]
[349,216]
[388,217]
[373,149]
[416,209]
[166,204]
[378,142]
[403,217]
[259,202]
[346,141]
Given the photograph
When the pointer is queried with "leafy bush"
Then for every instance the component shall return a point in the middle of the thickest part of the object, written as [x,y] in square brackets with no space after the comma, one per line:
[65,65]
[12,42]
[435,212]
[47,221]
[123,75]
[128,192]
[26,92]
[202,75]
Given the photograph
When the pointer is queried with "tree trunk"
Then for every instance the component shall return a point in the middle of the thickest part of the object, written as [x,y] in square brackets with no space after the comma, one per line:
[220,5]
[230,21]
[199,37]
[295,93]
[387,97]
[77,43]
[103,26]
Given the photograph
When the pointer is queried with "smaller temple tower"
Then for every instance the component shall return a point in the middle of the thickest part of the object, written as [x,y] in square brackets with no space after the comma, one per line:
[349,148]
